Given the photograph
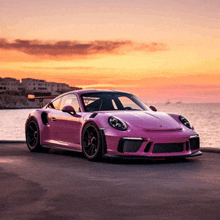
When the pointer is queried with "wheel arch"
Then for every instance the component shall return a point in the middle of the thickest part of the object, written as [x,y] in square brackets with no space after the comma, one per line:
[103,139]
[37,116]
[30,117]
[35,146]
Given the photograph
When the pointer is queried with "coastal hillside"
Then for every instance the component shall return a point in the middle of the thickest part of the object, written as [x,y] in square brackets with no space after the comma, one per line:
[16,102]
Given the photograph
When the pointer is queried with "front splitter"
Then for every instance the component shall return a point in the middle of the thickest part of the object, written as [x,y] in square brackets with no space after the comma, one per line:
[107,155]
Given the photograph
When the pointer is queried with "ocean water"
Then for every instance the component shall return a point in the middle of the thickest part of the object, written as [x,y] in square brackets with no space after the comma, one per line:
[204,117]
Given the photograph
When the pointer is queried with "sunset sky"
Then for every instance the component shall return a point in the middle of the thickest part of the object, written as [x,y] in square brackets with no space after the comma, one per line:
[159,50]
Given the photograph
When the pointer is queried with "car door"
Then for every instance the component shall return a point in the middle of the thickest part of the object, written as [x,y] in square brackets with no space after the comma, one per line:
[65,128]
[53,111]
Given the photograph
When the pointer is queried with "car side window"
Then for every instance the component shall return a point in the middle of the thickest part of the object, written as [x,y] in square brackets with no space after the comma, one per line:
[55,104]
[71,100]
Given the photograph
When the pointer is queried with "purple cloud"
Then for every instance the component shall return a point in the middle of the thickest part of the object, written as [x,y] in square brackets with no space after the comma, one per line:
[77,48]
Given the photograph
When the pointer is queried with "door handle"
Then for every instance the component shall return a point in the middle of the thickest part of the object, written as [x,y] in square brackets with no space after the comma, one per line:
[53,119]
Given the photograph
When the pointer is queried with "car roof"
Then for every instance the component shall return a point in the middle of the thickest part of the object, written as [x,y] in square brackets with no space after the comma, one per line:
[80,92]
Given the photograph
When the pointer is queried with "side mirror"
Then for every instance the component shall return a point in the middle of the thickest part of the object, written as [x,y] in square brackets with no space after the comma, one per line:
[153,108]
[69,109]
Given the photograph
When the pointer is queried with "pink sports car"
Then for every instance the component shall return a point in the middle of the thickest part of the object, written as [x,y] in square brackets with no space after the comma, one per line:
[102,123]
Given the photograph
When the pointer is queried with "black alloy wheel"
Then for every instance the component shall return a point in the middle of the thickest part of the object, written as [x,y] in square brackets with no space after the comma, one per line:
[91,142]
[33,136]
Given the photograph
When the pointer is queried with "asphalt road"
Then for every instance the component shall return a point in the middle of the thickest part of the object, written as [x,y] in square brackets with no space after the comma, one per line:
[64,185]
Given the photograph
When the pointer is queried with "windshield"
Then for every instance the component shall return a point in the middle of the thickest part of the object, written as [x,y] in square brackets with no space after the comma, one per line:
[108,101]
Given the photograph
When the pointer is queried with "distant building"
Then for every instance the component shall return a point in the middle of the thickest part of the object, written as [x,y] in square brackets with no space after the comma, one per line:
[9,85]
[33,86]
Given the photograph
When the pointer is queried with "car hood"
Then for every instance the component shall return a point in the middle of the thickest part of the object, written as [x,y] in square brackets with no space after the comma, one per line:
[148,120]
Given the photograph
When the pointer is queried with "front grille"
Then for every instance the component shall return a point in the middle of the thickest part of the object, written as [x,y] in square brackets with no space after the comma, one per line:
[129,145]
[147,148]
[168,148]
[187,146]
[194,143]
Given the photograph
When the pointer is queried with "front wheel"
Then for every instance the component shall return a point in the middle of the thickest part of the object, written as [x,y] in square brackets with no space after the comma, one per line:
[91,142]
[33,136]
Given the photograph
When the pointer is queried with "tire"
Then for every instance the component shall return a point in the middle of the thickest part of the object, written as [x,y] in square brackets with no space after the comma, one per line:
[33,136]
[92,142]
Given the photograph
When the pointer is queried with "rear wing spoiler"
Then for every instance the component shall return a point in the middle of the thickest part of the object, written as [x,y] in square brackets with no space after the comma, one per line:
[40,98]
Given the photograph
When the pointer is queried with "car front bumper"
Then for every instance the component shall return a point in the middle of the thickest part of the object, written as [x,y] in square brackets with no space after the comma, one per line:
[153,144]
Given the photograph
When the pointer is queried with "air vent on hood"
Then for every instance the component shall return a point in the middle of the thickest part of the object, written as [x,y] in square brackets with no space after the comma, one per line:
[93,115]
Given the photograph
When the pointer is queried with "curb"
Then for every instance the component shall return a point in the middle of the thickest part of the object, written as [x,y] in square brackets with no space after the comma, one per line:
[11,142]
[210,149]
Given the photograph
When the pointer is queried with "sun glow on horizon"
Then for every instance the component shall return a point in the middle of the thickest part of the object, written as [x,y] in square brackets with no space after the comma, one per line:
[161,49]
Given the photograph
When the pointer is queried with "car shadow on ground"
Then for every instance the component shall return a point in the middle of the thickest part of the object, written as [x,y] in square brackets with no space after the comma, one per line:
[7,152]
[125,161]
[148,161]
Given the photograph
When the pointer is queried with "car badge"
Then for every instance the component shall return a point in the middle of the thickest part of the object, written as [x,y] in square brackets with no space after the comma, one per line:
[160,125]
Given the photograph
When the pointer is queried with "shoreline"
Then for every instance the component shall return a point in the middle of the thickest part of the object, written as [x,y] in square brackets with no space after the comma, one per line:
[19,108]
[8,101]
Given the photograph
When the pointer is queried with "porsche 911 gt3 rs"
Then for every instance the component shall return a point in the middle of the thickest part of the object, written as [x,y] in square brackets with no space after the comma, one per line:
[103,123]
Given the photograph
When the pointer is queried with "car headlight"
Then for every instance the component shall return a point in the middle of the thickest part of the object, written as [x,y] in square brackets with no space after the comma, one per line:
[117,123]
[185,122]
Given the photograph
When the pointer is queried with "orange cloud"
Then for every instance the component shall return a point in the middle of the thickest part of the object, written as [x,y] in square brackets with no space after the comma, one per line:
[77,48]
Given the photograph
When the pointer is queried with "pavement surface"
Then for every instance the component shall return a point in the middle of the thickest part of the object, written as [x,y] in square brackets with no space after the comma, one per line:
[64,185]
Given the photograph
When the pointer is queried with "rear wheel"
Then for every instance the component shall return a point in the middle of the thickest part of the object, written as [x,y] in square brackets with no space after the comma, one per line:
[33,136]
[91,142]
